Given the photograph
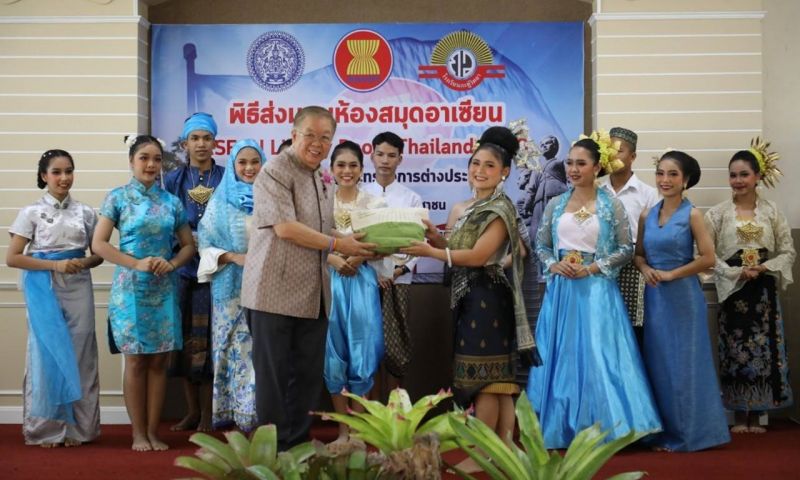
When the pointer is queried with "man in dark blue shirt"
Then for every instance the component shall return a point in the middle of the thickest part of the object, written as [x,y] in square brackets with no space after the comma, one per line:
[193,183]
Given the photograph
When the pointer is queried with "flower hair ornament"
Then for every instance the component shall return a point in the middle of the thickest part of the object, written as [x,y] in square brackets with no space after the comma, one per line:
[528,150]
[608,150]
[130,140]
[767,161]
[657,158]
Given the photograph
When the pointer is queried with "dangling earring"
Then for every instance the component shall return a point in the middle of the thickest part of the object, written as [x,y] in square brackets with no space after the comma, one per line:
[501,185]
[683,192]
[161,177]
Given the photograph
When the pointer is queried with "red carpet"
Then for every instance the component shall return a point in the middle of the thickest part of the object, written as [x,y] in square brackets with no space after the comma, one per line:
[774,455]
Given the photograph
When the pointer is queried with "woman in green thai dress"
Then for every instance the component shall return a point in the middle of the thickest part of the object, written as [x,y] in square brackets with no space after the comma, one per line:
[489,313]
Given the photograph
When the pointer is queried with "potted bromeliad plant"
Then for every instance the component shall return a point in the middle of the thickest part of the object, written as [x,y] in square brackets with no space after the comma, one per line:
[408,448]
[504,460]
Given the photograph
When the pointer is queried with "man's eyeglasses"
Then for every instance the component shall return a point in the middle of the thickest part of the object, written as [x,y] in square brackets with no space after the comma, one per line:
[312,137]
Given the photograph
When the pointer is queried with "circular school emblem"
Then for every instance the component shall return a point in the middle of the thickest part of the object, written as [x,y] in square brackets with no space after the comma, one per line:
[275,61]
[363,60]
[462,60]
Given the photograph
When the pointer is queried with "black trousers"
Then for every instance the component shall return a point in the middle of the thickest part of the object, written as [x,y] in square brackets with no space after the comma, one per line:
[288,358]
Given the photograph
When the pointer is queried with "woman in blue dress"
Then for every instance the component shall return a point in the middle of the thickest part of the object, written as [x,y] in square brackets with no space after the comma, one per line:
[677,347]
[354,347]
[591,368]
[223,234]
[143,305]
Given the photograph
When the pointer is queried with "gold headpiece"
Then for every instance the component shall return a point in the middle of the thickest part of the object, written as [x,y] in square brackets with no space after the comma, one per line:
[608,150]
[766,161]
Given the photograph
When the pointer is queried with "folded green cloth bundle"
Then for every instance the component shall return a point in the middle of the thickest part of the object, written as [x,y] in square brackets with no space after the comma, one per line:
[390,228]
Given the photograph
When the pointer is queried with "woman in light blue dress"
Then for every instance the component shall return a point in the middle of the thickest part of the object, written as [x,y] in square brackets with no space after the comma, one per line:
[677,347]
[354,346]
[223,234]
[143,304]
[591,368]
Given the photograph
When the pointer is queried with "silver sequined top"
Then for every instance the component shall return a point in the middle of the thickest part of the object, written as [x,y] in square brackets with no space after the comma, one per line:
[51,225]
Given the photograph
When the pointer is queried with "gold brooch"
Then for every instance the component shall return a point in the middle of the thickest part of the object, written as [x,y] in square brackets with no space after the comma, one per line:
[749,232]
[582,215]
[200,194]
[574,257]
[341,217]
[750,257]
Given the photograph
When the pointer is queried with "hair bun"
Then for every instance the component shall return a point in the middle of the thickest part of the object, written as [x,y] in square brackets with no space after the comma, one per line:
[502,137]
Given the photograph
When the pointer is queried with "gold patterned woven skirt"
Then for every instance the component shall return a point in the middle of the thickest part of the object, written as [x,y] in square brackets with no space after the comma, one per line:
[484,320]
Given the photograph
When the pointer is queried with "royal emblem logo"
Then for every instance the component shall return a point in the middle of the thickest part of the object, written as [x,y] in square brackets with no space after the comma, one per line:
[275,61]
[462,60]
[363,60]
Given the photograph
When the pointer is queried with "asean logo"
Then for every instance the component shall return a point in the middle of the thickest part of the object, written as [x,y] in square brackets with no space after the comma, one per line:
[275,61]
[363,60]
[462,60]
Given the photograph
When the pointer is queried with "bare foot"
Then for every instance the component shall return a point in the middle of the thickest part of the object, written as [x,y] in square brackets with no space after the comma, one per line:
[204,425]
[49,445]
[156,442]
[740,429]
[189,422]
[756,429]
[71,442]
[141,444]
[469,465]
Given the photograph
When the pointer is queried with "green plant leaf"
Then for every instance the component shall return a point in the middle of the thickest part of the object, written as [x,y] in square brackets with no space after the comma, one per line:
[262,472]
[357,465]
[218,448]
[374,407]
[209,457]
[550,470]
[486,465]
[399,400]
[240,445]
[423,406]
[264,446]
[302,452]
[477,433]
[582,445]
[628,476]
[440,425]
[361,429]
[381,427]
[289,470]
[200,466]
[530,432]
[592,462]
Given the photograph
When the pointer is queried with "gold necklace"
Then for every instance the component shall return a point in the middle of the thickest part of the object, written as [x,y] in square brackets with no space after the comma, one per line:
[341,215]
[749,231]
[201,193]
[582,215]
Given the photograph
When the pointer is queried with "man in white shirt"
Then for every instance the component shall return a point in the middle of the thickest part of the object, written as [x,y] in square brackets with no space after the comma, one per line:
[636,196]
[387,154]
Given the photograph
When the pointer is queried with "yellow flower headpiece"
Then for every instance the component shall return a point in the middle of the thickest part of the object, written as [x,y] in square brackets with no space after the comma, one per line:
[608,150]
[766,161]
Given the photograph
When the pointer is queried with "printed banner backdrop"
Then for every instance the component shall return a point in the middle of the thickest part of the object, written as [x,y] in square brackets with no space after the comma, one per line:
[438,86]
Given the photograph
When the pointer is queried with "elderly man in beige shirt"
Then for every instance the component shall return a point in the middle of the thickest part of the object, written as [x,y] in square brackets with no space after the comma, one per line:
[285,285]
